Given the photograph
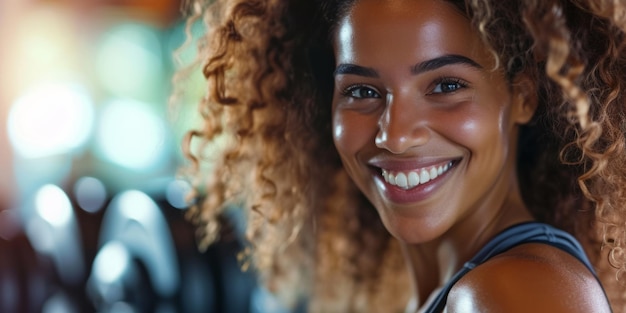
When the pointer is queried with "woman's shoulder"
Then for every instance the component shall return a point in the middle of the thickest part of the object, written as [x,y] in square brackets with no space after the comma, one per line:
[531,277]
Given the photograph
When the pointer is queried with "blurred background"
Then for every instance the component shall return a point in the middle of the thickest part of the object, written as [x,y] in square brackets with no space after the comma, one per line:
[91,208]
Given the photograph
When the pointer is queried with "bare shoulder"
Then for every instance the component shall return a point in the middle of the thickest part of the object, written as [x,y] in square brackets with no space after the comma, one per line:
[529,278]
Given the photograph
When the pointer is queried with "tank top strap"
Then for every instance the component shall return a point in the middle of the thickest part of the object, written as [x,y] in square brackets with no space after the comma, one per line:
[528,232]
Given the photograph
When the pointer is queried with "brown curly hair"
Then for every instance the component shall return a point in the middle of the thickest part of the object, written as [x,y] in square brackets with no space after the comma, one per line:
[311,234]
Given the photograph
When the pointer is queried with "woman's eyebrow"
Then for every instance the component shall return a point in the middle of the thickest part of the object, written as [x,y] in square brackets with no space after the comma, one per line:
[425,66]
[353,69]
[448,59]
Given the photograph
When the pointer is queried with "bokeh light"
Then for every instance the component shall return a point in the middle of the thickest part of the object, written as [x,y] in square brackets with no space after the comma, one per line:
[53,205]
[110,266]
[177,193]
[50,119]
[90,194]
[131,135]
[46,46]
[111,263]
[136,205]
[129,61]
[134,219]
[53,231]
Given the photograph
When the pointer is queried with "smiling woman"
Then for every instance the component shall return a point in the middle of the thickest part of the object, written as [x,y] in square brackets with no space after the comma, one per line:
[424,155]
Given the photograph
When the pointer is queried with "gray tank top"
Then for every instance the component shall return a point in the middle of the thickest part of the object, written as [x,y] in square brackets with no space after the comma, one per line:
[529,232]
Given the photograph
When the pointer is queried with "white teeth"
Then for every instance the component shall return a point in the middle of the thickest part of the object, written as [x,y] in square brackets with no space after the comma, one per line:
[414,179]
[411,179]
[401,180]
[433,173]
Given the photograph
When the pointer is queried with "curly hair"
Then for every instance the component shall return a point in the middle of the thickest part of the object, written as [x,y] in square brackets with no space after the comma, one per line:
[311,234]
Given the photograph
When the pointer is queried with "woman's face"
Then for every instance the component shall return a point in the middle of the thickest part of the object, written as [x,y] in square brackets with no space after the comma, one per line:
[424,126]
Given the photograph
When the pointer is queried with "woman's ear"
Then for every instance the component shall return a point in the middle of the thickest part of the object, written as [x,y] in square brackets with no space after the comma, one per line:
[524,98]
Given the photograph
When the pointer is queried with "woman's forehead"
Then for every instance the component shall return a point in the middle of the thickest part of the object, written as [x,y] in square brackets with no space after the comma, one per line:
[404,29]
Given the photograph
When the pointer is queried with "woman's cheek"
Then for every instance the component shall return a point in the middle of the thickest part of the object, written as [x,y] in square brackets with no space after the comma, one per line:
[468,124]
[352,131]
[341,131]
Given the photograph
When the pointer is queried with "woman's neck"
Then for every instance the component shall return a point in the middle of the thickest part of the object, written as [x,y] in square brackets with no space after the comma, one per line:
[432,264]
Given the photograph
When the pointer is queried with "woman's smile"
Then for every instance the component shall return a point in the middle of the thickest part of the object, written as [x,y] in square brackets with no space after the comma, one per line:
[417,177]
[405,182]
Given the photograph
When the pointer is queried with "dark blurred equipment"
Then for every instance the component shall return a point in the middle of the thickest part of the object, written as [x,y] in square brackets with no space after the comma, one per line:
[139,253]
[25,277]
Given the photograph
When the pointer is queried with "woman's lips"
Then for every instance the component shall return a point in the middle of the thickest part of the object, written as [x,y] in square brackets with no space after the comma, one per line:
[413,185]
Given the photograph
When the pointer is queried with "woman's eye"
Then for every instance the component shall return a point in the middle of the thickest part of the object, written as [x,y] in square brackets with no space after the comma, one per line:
[361,92]
[448,86]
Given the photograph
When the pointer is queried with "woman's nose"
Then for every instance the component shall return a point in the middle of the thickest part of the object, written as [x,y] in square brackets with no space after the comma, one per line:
[402,125]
